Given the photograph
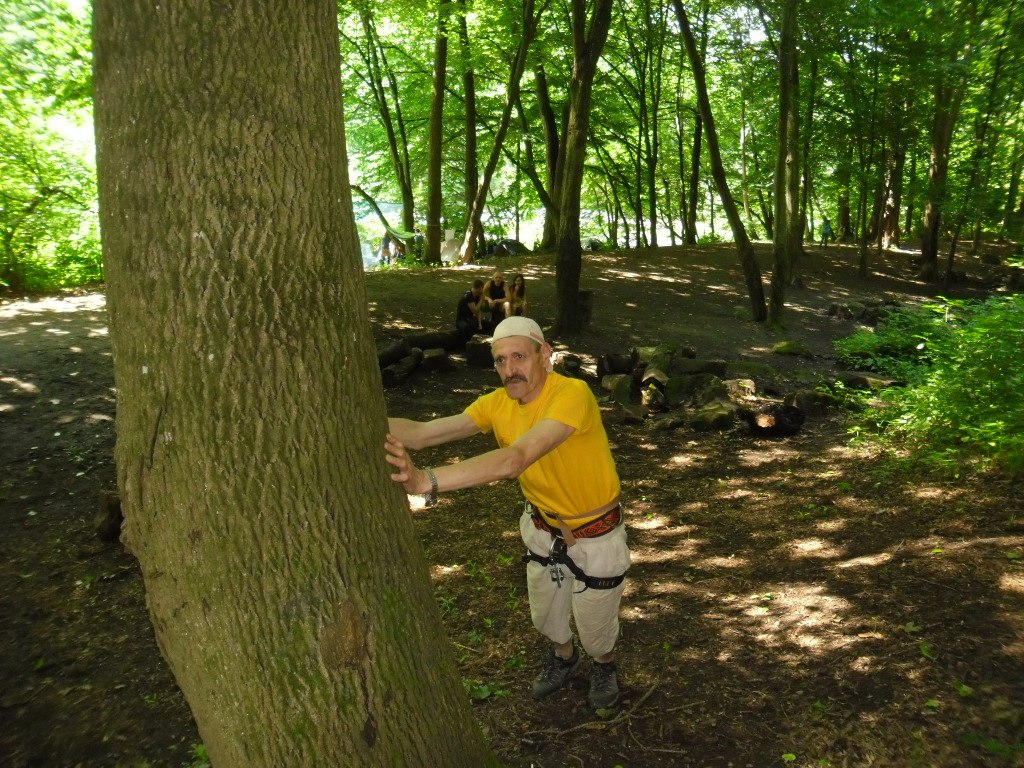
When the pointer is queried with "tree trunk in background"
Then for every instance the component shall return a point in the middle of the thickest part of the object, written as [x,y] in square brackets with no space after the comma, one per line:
[844,225]
[552,151]
[286,585]
[805,191]
[896,160]
[384,85]
[787,167]
[694,183]
[472,179]
[435,193]
[748,261]
[474,227]
[588,40]
[1013,190]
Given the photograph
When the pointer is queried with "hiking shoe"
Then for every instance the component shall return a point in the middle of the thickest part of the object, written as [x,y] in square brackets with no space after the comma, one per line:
[604,686]
[555,670]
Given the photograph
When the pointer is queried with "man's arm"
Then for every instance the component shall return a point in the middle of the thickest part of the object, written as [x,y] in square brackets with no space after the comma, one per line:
[500,464]
[423,434]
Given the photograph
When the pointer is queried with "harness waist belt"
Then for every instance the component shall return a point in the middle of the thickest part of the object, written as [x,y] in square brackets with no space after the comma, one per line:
[560,556]
[599,527]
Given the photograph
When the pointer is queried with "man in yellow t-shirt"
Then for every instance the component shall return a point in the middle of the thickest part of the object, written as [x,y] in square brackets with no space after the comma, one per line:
[550,436]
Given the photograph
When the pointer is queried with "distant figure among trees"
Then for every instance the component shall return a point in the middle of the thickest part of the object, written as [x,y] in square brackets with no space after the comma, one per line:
[826,233]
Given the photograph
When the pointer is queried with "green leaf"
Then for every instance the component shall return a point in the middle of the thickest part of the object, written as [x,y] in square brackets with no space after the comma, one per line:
[932,703]
[788,757]
[910,628]
[926,650]
[963,689]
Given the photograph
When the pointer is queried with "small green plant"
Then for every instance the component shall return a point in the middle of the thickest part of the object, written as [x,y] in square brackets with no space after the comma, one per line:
[991,745]
[512,598]
[482,691]
[516,662]
[446,603]
[200,758]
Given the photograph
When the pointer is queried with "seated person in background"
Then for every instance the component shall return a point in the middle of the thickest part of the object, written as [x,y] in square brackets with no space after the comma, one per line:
[516,302]
[467,314]
[494,298]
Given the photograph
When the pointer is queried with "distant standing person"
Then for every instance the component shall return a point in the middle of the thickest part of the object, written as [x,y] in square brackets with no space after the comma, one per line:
[516,303]
[826,233]
[467,314]
[494,299]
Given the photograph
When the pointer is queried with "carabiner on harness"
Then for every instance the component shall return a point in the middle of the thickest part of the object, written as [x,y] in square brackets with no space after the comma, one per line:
[557,574]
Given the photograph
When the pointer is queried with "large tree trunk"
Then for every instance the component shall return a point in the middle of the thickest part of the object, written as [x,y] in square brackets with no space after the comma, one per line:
[435,199]
[787,166]
[288,591]
[588,40]
[748,261]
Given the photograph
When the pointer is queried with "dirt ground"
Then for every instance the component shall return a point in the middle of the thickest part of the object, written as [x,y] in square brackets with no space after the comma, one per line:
[792,601]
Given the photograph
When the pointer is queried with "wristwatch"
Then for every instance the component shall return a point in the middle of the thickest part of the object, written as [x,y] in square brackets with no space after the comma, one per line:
[430,497]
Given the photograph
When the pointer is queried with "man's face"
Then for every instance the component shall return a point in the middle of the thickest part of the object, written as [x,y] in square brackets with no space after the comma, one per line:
[522,366]
[478,291]
[497,279]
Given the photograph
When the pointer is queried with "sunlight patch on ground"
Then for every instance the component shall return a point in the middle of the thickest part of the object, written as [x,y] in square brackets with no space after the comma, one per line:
[97,332]
[933,492]
[24,386]
[711,563]
[866,561]
[58,331]
[441,572]
[1012,582]
[738,491]
[830,526]
[89,302]
[795,615]
[804,548]
[650,522]
[7,408]
[864,664]
[683,460]
[759,458]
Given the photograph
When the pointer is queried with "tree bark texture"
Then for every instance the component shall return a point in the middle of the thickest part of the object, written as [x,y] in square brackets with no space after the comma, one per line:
[286,585]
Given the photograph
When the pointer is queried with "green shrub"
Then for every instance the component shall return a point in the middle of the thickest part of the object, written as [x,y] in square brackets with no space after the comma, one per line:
[966,402]
[901,347]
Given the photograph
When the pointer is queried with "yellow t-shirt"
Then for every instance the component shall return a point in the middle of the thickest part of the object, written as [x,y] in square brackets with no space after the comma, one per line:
[576,477]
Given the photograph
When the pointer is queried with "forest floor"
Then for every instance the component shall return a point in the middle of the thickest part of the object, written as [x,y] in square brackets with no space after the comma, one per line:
[795,601]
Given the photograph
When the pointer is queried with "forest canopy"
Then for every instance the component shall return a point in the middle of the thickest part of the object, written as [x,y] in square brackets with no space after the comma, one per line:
[906,123]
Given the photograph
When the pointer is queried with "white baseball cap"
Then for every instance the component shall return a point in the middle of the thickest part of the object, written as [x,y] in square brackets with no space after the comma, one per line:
[518,326]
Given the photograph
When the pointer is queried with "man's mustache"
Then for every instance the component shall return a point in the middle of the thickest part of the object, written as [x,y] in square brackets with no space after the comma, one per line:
[514,379]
